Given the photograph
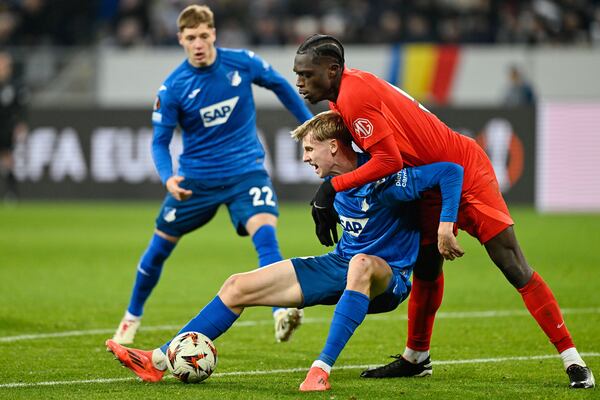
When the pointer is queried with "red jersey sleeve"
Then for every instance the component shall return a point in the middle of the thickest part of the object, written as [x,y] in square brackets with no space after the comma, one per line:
[385,160]
[361,108]
[363,114]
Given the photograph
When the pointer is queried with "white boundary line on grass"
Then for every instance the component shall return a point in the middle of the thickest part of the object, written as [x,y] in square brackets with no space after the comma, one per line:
[290,370]
[379,317]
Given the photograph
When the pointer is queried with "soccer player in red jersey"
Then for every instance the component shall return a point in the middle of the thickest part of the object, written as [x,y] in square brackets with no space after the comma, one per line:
[396,130]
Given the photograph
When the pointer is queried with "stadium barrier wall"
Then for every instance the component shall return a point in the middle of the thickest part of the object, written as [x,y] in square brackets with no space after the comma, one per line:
[105,153]
[447,75]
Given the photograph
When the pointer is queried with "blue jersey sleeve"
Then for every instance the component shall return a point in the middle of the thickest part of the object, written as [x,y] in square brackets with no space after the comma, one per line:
[160,152]
[164,120]
[166,108]
[265,76]
[410,183]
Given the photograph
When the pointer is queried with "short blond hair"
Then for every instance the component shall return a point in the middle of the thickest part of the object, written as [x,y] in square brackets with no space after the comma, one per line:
[323,126]
[194,15]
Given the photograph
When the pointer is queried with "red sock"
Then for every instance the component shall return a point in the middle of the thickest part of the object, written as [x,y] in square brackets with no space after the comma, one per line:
[425,299]
[543,307]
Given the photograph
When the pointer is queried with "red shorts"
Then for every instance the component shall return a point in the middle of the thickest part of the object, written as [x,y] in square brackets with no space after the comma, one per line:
[482,213]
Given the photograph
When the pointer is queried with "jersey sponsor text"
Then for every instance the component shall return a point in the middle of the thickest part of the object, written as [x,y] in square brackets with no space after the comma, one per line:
[218,113]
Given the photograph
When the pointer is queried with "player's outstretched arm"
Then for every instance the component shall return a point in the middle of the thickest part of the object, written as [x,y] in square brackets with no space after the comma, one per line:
[412,182]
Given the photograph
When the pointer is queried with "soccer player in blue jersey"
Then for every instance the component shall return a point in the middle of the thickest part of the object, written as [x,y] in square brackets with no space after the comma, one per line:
[210,97]
[367,272]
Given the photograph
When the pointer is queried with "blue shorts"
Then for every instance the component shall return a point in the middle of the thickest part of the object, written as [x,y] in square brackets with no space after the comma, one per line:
[245,195]
[323,280]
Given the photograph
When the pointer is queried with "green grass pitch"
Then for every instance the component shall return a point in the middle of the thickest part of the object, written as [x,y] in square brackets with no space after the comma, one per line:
[66,272]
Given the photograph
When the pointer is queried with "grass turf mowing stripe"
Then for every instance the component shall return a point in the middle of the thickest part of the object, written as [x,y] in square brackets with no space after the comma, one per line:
[440,315]
[292,370]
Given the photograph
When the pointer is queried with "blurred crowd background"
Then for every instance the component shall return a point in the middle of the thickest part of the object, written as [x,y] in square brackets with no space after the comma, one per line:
[128,23]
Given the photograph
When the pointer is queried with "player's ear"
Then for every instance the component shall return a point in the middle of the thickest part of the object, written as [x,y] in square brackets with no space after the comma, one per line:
[333,70]
[333,145]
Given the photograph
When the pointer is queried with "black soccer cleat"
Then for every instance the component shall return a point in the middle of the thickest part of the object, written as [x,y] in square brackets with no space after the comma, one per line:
[580,377]
[400,368]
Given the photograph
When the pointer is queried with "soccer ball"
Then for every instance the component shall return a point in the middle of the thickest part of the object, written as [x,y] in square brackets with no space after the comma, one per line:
[191,357]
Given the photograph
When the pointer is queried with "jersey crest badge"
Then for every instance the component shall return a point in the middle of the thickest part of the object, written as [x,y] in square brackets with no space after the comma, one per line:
[364,206]
[234,78]
[363,128]
[218,113]
[169,214]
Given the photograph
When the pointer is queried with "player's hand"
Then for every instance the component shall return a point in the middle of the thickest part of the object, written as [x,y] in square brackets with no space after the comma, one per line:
[326,220]
[176,191]
[324,214]
[447,244]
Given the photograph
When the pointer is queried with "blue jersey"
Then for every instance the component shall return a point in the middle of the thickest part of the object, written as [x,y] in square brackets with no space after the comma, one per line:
[215,109]
[380,218]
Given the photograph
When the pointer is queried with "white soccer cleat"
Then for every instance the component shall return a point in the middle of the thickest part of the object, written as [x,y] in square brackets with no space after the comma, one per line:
[287,320]
[126,331]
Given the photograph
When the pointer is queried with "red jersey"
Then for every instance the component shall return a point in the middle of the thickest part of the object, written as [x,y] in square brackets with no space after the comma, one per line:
[373,109]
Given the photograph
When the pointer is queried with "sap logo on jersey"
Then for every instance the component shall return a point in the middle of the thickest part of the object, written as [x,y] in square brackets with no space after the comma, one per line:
[353,226]
[218,113]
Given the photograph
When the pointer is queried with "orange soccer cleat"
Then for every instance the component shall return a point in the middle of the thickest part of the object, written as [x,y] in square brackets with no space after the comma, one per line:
[138,361]
[316,380]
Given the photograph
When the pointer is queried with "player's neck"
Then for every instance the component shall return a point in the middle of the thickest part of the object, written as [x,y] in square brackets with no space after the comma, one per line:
[345,161]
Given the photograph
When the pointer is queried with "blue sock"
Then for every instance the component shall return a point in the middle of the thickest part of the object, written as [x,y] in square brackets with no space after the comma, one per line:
[265,243]
[214,319]
[148,272]
[349,313]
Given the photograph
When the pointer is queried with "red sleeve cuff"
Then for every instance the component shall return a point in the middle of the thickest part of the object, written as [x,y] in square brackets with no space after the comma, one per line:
[385,160]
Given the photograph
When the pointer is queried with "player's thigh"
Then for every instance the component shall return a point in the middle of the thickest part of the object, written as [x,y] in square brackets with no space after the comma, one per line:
[254,194]
[275,284]
[484,213]
[176,218]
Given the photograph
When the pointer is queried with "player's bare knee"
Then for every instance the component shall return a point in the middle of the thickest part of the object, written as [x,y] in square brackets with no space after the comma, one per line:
[233,292]
[360,269]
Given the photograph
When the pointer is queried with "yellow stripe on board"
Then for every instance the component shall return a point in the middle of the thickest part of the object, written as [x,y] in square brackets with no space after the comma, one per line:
[419,67]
